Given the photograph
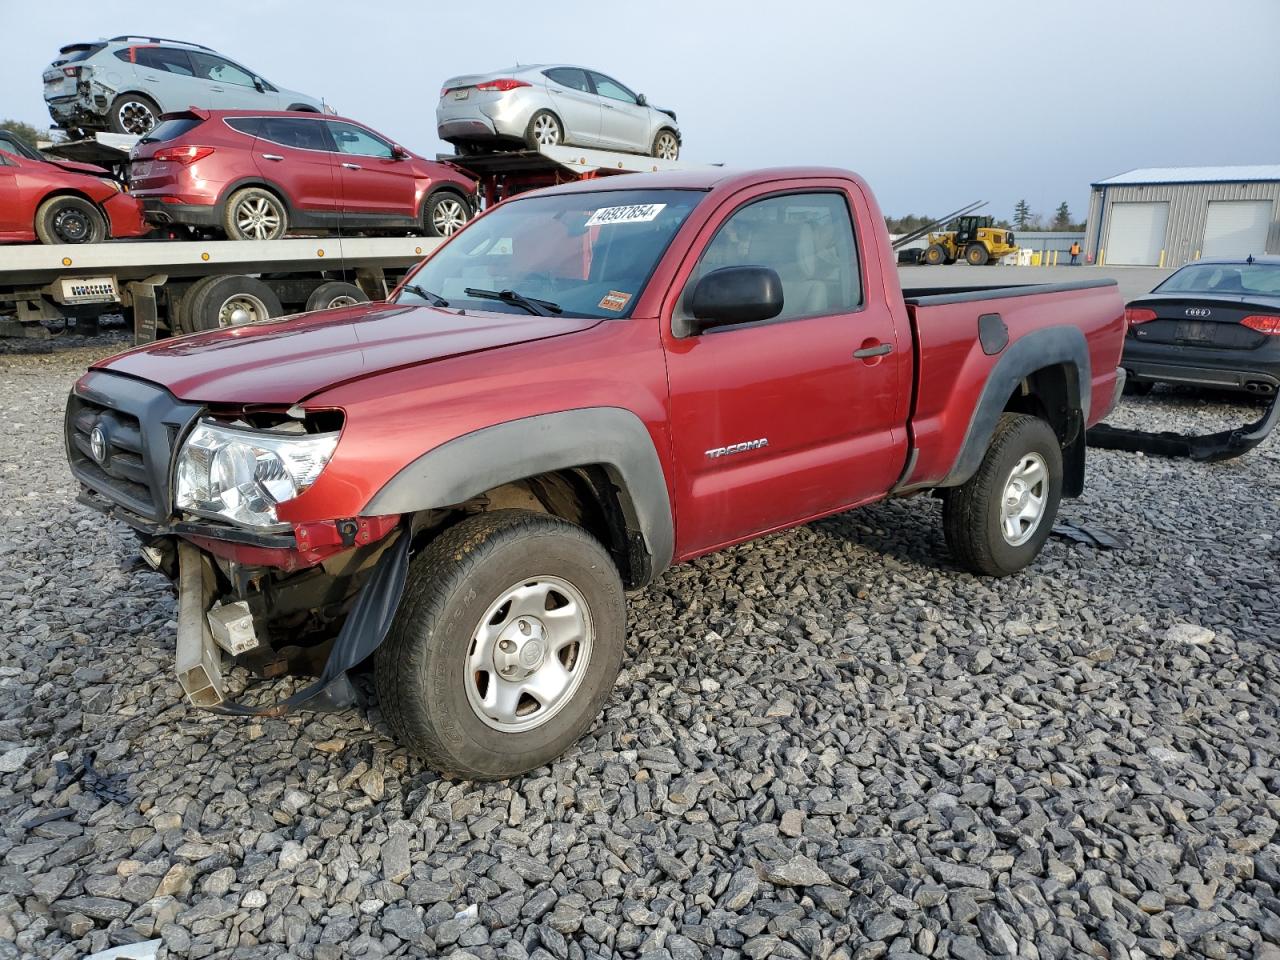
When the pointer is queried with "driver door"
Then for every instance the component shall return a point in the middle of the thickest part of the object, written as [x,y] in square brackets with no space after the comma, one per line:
[624,124]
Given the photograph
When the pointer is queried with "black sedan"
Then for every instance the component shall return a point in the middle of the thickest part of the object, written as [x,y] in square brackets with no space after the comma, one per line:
[1214,323]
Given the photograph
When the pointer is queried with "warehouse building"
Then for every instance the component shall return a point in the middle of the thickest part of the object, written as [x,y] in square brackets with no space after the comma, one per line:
[1168,216]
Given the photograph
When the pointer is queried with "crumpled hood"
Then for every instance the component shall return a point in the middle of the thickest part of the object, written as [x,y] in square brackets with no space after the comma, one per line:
[286,361]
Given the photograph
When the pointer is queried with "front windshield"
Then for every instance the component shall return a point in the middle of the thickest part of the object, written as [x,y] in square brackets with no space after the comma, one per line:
[1227,278]
[590,254]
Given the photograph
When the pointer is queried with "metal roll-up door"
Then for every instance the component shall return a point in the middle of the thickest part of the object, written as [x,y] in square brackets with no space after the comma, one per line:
[1236,228]
[1136,234]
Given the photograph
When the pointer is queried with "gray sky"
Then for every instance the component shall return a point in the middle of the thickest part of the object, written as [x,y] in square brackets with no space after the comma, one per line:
[935,103]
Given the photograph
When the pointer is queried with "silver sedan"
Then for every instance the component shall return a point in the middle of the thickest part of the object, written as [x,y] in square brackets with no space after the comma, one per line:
[548,105]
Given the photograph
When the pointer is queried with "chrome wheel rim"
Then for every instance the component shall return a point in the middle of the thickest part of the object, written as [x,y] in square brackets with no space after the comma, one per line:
[72,226]
[448,217]
[258,218]
[546,131]
[668,149]
[529,654]
[136,117]
[240,309]
[341,300]
[1025,493]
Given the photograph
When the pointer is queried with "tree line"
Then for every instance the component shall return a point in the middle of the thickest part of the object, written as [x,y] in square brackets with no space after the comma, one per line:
[1024,218]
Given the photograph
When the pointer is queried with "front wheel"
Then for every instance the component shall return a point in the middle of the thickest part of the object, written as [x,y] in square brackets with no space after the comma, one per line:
[997,521]
[666,146]
[70,220]
[935,256]
[446,213]
[505,647]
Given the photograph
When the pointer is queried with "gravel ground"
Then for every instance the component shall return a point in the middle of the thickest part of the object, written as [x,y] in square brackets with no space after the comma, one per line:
[829,743]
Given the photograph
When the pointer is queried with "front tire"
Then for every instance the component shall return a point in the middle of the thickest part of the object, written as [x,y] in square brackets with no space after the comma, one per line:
[997,521]
[133,113]
[666,146]
[544,130]
[446,213]
[255,214]
[70,220]
[505,647]
[935,256]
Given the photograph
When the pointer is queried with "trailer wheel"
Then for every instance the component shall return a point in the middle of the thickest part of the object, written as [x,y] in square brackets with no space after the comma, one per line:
[997,521]
[70,220]
[335,293]
[446,213]
[506,644]
[544,130]
[133,113]
[976,255]
[227,301]
[255,214]
[935,255]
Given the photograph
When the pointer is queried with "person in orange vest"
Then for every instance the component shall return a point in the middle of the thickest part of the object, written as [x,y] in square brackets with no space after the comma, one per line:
[1075,251]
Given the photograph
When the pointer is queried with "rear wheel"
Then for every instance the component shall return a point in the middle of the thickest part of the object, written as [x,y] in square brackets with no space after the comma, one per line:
[255,214]
[997,521]
[505,646]
[976,255]
[935,255]
[133,113]
[335,293]
[544,130]
[226,301]
[446,213]
[70,220]
[666,146]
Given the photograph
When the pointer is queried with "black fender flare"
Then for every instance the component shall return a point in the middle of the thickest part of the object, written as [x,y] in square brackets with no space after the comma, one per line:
[610,437]
[1049,347]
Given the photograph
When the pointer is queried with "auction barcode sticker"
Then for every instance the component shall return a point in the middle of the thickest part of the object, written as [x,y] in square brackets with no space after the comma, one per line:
[632,213]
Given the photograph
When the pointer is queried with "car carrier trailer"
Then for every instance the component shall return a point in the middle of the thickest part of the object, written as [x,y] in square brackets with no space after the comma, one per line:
[182,286]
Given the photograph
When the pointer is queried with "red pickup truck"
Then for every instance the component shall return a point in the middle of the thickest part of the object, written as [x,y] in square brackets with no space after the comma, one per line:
[584,386]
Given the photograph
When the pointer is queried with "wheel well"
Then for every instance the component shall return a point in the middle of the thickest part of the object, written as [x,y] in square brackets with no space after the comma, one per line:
[1052,393]
[302,108]
[235,188]
[444,188]
[67,192]
[586,496]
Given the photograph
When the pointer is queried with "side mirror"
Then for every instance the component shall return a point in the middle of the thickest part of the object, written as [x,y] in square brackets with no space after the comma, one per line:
[259,85]
[398,152]
[642,100]
[735,295]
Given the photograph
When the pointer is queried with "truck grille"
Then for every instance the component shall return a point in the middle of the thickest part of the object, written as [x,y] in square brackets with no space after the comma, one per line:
[121,436]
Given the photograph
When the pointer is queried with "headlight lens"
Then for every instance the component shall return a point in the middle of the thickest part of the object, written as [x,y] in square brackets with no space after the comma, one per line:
[240,475]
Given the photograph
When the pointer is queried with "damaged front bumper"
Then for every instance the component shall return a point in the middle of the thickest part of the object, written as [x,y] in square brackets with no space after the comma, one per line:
[1206,448]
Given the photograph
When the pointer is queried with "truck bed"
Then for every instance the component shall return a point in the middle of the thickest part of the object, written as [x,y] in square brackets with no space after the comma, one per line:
[954,370]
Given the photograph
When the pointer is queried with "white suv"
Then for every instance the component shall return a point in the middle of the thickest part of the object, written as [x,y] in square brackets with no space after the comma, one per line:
[124,84]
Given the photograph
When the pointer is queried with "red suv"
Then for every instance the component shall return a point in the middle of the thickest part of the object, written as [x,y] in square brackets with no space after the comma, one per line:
[256,175]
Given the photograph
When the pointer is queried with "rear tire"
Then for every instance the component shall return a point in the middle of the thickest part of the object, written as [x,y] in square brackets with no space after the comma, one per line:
[255,214]
[335,293]
[935,255]
[227,301]
[544,130]
[440,665]
[991,522]
[445,214]
[976,255]
[133,113]
[70,220]
[666,145]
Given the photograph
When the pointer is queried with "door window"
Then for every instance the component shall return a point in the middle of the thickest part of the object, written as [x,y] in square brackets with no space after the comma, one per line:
[295,132]
[209,67]
[807,238]
[570,77]
[357,141]
[166,59]
[612,89]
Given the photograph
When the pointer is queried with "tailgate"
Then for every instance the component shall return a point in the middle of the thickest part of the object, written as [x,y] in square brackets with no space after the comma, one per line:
[1197,322]
[58,85]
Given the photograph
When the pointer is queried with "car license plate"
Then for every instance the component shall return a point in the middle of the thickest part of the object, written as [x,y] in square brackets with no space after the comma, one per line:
[462,94]
[139,170]
[1194,331]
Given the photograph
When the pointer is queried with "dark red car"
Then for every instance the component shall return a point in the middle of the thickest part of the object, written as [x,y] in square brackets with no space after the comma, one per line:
[256,175]
[61,201]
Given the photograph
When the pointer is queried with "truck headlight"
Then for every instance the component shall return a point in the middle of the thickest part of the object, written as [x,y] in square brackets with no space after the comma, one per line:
[240,475]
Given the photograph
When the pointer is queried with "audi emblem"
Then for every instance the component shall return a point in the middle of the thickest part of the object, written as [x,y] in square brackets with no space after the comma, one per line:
[1198,312]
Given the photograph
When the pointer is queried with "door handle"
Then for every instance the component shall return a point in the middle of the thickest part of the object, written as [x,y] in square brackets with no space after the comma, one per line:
[217,89]
[608,106]
[879,350]
[353,166]
[272,156]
